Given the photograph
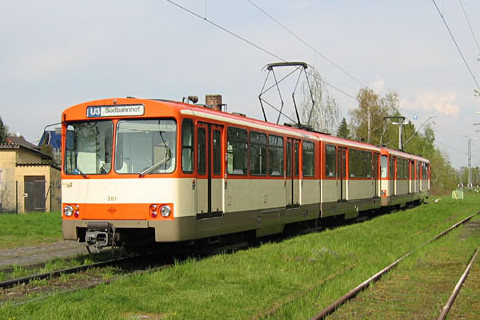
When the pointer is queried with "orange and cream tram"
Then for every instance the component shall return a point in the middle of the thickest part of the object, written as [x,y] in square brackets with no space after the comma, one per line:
[405,178]
[140,170]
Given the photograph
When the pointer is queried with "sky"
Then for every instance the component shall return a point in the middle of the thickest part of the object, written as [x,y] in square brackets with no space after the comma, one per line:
[56,54]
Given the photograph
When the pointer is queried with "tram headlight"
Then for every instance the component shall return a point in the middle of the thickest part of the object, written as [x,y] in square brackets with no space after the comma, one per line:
[165,210]
[68,211]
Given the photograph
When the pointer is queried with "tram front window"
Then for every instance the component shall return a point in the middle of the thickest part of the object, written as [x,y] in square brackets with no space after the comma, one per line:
[89,147]
[145,146]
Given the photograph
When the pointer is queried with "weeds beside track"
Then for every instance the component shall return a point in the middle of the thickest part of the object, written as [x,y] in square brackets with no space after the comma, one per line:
[377,276]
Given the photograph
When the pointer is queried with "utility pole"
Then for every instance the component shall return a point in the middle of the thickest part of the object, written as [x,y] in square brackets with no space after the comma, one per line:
[469,185]
[368,123]
[400,130]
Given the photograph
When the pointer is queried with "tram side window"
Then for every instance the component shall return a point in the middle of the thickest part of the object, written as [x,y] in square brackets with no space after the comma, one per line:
[331,161]
[360,164]
[412,170]
[275,155]
[217,152]
[383,166]
[237,150]
[424,170]
[392,168]
[308,159]
[402,168]
[187,146]
[258,153]
[201,151]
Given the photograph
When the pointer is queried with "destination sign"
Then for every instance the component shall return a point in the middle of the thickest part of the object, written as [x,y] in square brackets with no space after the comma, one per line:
[115,111]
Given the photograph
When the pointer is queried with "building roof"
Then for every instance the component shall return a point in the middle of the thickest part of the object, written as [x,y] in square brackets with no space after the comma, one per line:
[18,142]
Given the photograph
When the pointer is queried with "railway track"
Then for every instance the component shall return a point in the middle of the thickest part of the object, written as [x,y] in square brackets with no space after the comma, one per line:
[352,294]
[19,290]
[458,287]
[38,286]
[24,280]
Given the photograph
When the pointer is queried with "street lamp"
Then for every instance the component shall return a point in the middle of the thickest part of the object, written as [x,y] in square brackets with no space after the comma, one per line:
[401,119]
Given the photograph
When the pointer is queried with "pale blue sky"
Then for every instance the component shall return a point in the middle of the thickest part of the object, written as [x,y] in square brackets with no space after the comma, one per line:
[59,53]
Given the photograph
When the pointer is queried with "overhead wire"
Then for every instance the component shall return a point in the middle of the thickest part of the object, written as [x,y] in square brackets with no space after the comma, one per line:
[250,43]
[306,43]
[245,40]
[469,25]
[225,30]
[456,45]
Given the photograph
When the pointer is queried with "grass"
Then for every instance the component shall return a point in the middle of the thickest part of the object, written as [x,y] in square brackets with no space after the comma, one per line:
[29,229]
[294,279]
[421,285]
[56,264]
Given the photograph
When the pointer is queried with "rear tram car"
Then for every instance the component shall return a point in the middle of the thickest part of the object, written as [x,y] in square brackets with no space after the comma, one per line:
[139,170]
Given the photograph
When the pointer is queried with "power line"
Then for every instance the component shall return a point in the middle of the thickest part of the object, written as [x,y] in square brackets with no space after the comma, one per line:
[249,42]
[456,44]
[305,43]
[226,30]
[469,25]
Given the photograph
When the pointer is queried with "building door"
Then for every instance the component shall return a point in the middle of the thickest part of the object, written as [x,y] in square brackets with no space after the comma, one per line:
[209,180]
[34,193]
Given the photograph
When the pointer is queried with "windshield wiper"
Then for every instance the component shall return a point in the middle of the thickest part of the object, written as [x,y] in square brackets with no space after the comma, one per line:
[158,164]
[81,173]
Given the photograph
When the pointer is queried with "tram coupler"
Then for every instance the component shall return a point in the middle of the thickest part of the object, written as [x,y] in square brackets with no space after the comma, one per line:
[100,235]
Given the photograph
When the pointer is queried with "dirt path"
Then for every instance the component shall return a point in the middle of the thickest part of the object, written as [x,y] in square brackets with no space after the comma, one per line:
[24,256]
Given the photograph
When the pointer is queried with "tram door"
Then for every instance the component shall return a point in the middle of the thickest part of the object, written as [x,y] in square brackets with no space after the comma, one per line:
[342,173]
[392,178]
[293,173]
[209,182]
[375,176]
[411,176]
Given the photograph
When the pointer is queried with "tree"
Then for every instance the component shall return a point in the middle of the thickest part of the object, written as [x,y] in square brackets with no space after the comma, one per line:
[3,131]
[368,120]
[343,130]
[368,125]
[323,115]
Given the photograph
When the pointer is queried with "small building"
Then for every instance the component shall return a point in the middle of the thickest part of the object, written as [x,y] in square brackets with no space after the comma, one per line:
[29,181]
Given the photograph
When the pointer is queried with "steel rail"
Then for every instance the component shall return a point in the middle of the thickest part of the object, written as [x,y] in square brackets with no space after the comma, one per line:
[456,290]
[13,282]
[352,293]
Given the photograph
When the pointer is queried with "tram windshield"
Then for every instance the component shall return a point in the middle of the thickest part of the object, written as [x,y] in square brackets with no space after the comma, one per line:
[142,147]
[88,148]
[145,146]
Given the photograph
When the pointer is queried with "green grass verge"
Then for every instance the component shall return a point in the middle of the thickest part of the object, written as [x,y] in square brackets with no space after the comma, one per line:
[421,285]
[29,229]
[294,279]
